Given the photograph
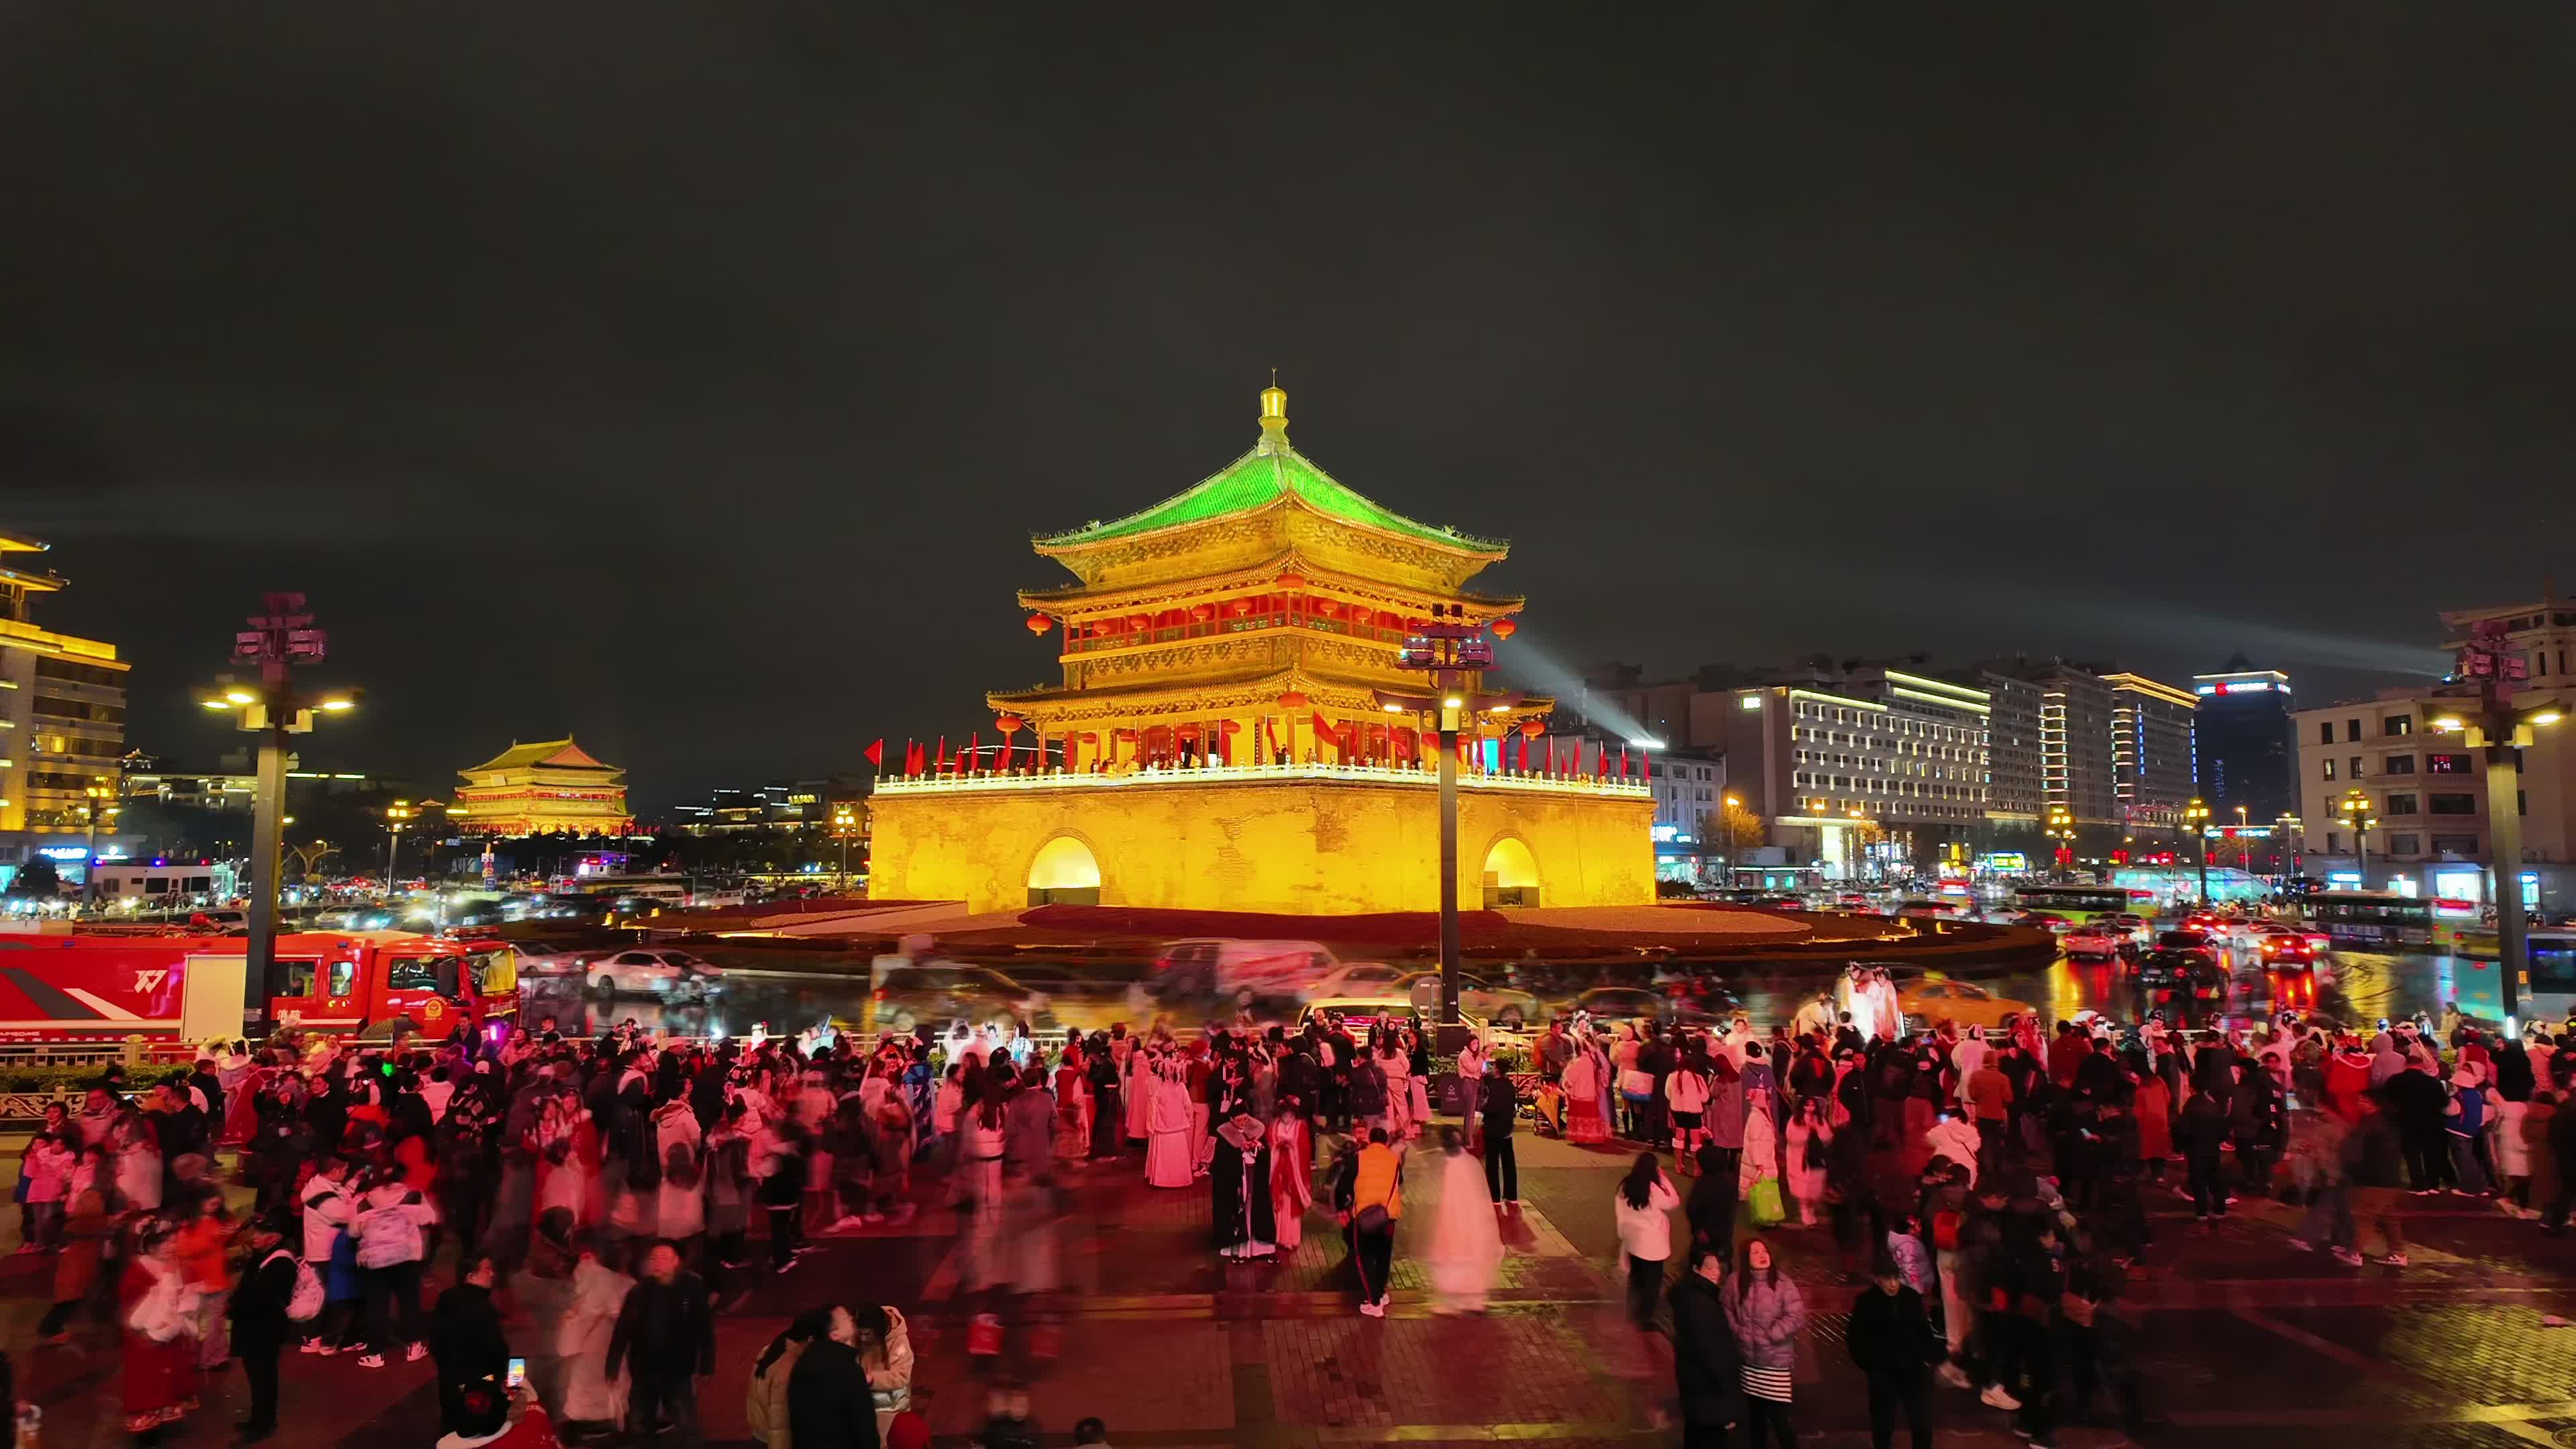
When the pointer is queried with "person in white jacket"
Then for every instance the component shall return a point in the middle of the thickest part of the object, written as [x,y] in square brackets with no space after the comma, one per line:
[1644,1203]
[328,1206]
[681,1210]
[391,1242]
[1686,1093]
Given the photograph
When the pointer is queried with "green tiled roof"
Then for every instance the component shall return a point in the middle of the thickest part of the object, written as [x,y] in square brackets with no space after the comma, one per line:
[1254,481]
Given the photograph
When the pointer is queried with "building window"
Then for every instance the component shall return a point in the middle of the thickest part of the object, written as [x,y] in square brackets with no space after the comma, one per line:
[2398,724]
[2397,765]
[2406,845]
[2352,729]
[2452,804]
[2330,774]
[2325,735]
[2400,805]
[2356,767]
[2455,845]
[2334,842]
[2446,764]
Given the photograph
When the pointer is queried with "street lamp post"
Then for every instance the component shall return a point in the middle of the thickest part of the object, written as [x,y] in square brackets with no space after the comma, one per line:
[2061,829]
[395,815]
[2196,816]
[1454,653]
[272,708]
[2502,727]
[97,792]
[2355,811]
[844,822]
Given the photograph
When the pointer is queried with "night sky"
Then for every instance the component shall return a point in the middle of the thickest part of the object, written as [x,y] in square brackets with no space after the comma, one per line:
[691,377]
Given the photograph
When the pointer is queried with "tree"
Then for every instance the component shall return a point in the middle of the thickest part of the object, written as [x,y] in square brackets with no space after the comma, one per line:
[307,857]
[37,878]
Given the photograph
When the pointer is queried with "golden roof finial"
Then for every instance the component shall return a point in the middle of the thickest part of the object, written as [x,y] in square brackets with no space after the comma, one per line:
[1274,415]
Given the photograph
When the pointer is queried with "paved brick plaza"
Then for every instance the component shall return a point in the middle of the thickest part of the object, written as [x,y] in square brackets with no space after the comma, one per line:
[2244,1341]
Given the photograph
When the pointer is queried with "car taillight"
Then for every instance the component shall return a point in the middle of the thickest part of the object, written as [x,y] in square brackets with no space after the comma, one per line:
[877,995]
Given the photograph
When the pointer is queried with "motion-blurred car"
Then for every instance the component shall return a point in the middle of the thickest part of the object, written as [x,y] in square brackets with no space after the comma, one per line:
[1504,1006]
[1929,1000]
[2187,984]
[945,993]
[2198,942]
[668,974]
[2094,940]
[2139,929]
[1635,1003]
[1355,979]
[1208,965]
[1356,1014]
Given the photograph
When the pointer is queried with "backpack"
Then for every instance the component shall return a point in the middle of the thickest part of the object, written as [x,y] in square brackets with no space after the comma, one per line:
[1945,1230]
[680,1165]
[305,1303]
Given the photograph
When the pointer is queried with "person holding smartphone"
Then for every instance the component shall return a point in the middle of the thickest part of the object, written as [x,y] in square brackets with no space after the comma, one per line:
[466,1340]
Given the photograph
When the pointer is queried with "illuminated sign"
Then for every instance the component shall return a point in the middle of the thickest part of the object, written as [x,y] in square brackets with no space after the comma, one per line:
[2004,860]
[1750,701]
[63,852]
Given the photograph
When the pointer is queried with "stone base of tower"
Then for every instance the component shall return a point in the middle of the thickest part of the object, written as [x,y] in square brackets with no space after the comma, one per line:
[1318,840]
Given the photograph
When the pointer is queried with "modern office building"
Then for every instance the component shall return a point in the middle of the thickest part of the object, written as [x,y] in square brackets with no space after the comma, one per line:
[2016,790]
[2241,741]
[2075,739]
[1847,764]
[2151,755]
[62,724]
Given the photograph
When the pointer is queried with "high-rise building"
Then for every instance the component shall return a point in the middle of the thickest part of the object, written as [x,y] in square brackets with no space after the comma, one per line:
[2075,753]
[62,724]
[2241,742]
[2016,791]
[1854,761]
[2151,760]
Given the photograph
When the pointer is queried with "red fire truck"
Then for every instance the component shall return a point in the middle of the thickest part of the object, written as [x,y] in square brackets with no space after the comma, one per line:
[67,992]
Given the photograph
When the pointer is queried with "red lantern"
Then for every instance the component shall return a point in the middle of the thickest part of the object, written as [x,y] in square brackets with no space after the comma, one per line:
[1293,699]
[1505,628]
[1185,732]
[1234,726]
[1009,724]
[1292,581]
[1040,623]
[1532,729]
[1126,737]
[1140,621]
[1234,607]
[1203,612]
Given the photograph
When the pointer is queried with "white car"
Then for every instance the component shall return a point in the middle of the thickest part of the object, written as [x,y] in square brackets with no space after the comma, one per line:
[651,973]
[1357,979]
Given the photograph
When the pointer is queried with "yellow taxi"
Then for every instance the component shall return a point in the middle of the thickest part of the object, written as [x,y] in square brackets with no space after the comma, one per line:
[1932,998]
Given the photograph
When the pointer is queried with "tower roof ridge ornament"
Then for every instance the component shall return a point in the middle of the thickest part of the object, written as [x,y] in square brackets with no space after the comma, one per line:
[1274,417]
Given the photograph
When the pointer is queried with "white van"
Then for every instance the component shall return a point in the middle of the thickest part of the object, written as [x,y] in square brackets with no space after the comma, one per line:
[1213,965]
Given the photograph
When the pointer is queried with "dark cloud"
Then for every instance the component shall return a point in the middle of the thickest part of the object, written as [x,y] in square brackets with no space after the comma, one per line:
[692,377]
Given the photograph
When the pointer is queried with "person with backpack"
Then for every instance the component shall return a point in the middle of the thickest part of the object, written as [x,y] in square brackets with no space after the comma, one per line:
[466,1341]
[270,1296]
[328,1208]
[680,1209]
[389,1230]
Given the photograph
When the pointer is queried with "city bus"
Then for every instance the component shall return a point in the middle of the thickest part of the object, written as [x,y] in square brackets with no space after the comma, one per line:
[2381,918]
[2081,903]
[2547,992]
[2457,925]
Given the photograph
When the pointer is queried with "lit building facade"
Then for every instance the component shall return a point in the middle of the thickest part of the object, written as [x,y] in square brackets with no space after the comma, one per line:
[2016,788]
[551,787]
[1218,738]
[2075,743]
[2242,742]
[2151,752]
[1868,764]
[62,723]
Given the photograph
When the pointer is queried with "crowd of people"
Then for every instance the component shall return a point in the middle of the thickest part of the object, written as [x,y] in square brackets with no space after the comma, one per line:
[1990,1189]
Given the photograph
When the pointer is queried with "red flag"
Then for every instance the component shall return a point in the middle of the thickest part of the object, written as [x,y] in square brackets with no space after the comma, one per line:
[974,752]
[1645,766]
[1601,764]
[1324,732]
[943,754]
[876,756]
[1623,762]
[1551,754]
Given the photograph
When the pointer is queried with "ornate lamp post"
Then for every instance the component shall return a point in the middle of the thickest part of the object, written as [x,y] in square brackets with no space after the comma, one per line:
[2196,816]
[2061,829]
[1453,653]
[272,707]
[2503,727]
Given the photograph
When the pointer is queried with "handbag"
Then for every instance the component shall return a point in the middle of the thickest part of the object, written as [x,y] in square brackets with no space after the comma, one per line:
[1371,1219]
[1764,1202]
